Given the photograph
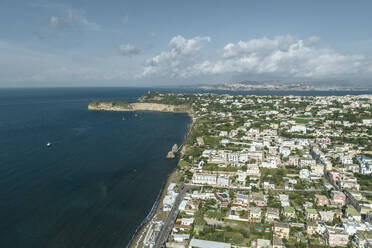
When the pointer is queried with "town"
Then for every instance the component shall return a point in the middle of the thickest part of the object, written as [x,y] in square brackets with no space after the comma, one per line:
[269,171]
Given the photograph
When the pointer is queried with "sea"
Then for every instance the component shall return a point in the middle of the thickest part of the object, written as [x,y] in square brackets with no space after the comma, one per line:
[101,176]
[99,179]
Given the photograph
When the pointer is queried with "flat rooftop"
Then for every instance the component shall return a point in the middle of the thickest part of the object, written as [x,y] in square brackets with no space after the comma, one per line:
[198,243]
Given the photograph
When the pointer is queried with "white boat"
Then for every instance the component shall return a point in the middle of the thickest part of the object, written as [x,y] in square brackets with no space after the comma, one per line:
[49,144]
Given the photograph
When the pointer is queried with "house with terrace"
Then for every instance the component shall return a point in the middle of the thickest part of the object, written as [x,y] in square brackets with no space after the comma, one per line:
[258,198]
[311,214]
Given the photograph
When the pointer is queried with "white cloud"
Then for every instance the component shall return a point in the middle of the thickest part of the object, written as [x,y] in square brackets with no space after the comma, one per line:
[282,56]
[56,22]
[128,50]
[79,16]
[75,17]
[178,60]
[258,46]
[285,56]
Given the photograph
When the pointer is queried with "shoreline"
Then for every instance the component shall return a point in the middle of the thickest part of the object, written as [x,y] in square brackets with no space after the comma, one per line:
[150,215]
[136,106]
[140,231]
[172,177]
[155,213]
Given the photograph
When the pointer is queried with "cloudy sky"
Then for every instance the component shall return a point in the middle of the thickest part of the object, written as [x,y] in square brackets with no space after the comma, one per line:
[128,43]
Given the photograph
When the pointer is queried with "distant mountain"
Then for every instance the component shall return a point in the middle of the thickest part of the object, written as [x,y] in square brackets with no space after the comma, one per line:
[248,85]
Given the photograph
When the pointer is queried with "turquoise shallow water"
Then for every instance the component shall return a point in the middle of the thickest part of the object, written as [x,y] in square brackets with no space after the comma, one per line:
[98,180]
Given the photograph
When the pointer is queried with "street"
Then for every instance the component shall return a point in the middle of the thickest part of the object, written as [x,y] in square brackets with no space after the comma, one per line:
[167,227]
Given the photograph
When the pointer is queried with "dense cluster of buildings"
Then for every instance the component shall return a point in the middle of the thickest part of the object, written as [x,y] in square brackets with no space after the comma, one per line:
[275,171]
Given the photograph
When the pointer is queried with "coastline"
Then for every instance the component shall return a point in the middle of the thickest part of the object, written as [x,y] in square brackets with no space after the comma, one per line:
[137,106]
[155,213]
[172,177]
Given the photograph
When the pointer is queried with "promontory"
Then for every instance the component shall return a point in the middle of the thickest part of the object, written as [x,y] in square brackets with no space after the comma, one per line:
[146,103]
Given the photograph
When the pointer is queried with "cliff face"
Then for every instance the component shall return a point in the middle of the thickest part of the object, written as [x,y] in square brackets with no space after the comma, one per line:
[138,106]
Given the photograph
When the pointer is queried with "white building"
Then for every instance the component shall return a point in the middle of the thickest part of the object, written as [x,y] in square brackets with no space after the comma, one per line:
[180,237]
[182,206]
[352,228]
[365,164]
[326,216]
[317,170]
[187,221]
[224,134]
[233,157]
[198,243]
[271,163]
[223,182]
[253,170]
[268,185]
[304,174]
[367,122]
[206,179]
[169,200]
[241,177]
[298,129]
[346,160]
[286,151]
[243,157]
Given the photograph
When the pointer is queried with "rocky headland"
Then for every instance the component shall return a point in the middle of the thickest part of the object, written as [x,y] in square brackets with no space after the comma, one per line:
[137,106]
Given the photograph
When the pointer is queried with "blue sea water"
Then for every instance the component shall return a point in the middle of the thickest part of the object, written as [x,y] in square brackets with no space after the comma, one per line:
[99,179]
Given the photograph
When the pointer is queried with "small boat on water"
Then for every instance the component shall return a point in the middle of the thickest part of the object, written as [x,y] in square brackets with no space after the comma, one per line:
[49,144]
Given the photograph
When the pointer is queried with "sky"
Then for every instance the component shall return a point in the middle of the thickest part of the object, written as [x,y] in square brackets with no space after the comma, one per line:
[171,43]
